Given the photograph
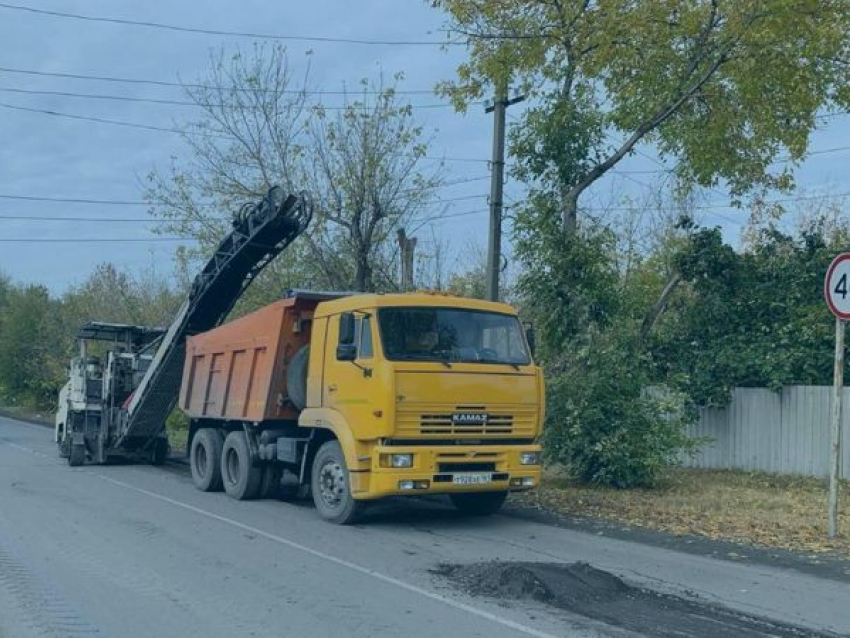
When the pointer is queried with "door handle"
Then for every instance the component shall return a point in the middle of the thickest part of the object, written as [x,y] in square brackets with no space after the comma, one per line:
[332,387]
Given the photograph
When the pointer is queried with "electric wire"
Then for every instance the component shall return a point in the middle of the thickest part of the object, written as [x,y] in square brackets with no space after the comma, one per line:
[220,32]
[189,85]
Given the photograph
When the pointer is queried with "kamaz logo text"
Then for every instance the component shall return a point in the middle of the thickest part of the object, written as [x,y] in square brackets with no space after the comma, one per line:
[469,418]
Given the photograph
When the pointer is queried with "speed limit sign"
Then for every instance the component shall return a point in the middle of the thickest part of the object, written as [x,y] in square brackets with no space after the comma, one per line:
[836,286]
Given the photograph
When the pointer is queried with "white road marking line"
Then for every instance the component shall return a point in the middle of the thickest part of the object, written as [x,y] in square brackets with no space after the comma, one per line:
[25,449]
[505,622]
[337,561]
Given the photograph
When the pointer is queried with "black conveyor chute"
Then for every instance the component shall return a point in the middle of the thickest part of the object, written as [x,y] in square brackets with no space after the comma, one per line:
[260,233]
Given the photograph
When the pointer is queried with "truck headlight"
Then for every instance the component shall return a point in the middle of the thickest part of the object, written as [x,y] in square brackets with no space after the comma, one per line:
[529,458]
[401,460]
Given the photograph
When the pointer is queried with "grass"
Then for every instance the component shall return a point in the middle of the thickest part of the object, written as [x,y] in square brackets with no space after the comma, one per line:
[762,509]
[177,439]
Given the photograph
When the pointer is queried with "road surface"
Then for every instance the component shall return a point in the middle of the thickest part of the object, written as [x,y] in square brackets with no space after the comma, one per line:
[137,551]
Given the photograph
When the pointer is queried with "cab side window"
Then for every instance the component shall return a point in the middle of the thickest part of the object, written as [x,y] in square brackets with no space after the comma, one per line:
[363,337]
[359,344]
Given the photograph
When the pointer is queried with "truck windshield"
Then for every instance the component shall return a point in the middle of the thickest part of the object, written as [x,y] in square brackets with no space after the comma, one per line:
[451,335]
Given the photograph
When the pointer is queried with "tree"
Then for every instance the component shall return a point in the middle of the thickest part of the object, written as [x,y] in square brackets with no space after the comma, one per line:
[121,296]
[607,425]
[260,126]
[29,333]
[369,181]
[755,318]
[250,135]
[726,88]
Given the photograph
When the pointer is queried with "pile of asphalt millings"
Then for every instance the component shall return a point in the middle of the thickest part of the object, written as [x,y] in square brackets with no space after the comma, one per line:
[582,589]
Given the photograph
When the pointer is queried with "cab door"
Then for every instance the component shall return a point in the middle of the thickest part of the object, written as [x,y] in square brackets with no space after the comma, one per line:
[349,385]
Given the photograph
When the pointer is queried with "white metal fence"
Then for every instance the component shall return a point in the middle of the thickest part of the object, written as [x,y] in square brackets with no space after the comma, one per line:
[785,432]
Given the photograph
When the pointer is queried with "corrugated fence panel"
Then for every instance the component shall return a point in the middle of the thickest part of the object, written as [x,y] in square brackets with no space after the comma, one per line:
[785,432]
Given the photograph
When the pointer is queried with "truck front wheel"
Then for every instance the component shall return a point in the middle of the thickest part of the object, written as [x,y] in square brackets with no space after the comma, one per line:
[330,486]
[63,442]
[242,480]
[205,460]
[479,503]
[76,454]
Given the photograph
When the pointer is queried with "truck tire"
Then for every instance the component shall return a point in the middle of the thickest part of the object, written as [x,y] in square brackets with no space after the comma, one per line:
[271,481]
[161,450]
[479,503]
[331,487]
[241,479]
[77,455]
[296,378]
[205,460]
[63,443]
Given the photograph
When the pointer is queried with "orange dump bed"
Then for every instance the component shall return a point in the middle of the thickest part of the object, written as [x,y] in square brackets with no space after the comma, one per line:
[238,370]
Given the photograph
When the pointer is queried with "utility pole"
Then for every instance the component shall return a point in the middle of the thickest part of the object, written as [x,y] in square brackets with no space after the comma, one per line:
[497,182]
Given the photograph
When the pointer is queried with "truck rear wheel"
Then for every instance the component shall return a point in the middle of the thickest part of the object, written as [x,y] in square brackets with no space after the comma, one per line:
[479,503]
[331,487]
[205,460]
[242,480]
[270,484]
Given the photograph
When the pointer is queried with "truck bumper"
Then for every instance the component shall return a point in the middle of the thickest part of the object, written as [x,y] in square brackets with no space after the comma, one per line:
[447,470]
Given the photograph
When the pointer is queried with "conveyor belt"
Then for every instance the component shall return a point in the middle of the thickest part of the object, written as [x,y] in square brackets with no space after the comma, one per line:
[260,233]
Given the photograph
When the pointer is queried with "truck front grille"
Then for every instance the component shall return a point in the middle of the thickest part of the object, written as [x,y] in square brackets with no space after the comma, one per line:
[442,424]
[434,421]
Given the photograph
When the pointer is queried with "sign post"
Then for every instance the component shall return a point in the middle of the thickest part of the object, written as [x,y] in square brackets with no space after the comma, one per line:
[837,292]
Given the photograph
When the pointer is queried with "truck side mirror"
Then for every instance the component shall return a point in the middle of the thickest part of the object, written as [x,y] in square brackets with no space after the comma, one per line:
[531,338]
[347,349]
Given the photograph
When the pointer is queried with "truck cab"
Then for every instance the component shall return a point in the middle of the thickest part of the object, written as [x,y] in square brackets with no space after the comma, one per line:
[426,394]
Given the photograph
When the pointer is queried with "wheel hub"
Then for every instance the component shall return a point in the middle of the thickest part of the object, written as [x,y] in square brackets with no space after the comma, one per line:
[331,483]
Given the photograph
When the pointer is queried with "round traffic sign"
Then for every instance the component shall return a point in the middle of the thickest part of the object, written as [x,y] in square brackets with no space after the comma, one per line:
[836,286]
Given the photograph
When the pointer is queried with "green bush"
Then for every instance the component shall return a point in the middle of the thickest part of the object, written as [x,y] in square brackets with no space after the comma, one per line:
[604,424]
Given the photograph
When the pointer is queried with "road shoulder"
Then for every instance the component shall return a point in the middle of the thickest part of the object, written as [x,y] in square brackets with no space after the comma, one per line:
[822,565]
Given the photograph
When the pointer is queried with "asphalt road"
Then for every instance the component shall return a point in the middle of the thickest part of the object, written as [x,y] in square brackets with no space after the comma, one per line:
[137,551]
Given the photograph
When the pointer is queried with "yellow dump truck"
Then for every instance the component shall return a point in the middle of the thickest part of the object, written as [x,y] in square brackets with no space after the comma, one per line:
[357,397]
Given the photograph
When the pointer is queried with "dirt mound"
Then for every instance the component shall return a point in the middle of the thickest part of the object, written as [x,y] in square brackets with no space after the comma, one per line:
[582,589]
[576,582]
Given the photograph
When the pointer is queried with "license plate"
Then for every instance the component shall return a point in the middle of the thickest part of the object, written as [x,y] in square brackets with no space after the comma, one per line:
[472,479]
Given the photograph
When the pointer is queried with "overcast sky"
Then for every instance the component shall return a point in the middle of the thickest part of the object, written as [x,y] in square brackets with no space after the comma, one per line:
[43,155]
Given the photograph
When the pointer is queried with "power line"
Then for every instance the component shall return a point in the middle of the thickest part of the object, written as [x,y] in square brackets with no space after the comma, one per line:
[163,129]
[181,85]
[220,135]
[190,85]
[50,218]
[150,220]
[99,120]
[64,240]
[93,96]
[439,217]
[154,220]
[128,202]
[75,200]
[784,200]
[241,34]
[129,98]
